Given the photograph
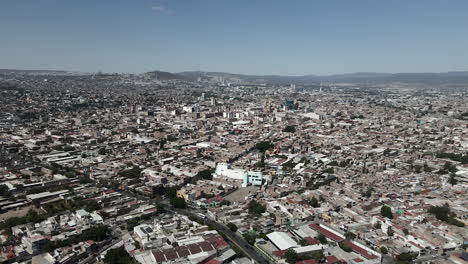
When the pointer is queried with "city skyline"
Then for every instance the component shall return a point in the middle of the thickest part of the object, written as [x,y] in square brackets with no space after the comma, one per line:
[259,38]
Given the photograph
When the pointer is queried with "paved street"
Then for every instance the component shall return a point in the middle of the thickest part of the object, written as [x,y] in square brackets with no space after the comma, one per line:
[245,247]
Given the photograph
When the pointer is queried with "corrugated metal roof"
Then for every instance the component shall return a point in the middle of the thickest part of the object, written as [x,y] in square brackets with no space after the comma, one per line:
[282,240]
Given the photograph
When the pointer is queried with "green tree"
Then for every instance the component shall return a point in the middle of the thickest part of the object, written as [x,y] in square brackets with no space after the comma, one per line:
[178,202]
[205,174]
[452,180]
[444,213]
[171,192]
[291,256]
[303,243]
[384,250]
[160,208]
[118,256]
[406,258]
[134,172]
[263,147]
[232,227]
[350,235]
[289,129]
[102,151]
[441,212]
[318,256]
[3,189]
[427,168]
[96,233]
[390,231]
[378,225]
[322,238]
[386,211]
[405,231]
[225,202]
[368,192]
[314,202]
[250,237]
[344,246]
[256,208]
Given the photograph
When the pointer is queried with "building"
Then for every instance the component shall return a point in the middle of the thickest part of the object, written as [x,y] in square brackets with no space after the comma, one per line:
[282,240]
[247,177]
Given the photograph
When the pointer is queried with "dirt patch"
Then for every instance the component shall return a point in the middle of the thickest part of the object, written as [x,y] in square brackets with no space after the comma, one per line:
[16,213]
[238,196]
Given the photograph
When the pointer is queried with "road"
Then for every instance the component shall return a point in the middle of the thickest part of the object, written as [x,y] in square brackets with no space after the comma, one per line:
[245,247]
[92,258]
[435,256]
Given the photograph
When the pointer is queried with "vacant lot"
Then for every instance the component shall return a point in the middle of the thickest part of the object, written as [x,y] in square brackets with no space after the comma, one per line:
[18,213]
[240,194]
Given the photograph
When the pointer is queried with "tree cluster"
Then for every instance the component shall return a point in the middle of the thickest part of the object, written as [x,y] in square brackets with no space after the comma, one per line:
[386,211]
[289,129]
[463,158]
[178,202]
[118,256]
[314,202]
[350,235]
[406,258]
[292,257]
[448,167]
[344,247]
[444,213]
[232,227]
[134,172]
[322,238]
[256,208]
[4,190]
[250,237]
[95,233]
[205,174]
[31,217]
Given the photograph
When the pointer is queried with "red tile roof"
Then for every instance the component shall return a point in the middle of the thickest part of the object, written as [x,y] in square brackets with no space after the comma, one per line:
[184,251]
[326,233]
[206,246]
[280,253]
[215,198]
[159,256]
[311,241]
[218,242]
[328,260]
[170,254]
[213,261]
[308,261]
[194,249]
[331,259]
[361,251]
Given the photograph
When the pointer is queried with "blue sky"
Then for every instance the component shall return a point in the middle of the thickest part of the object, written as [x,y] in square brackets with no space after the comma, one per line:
[253,36]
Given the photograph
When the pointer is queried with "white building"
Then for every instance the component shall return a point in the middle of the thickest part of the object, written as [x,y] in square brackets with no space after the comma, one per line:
[282,241]
[147,236]
[247,177]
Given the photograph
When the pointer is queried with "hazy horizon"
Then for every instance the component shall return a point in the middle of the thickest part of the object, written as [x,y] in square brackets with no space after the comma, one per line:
[243,37]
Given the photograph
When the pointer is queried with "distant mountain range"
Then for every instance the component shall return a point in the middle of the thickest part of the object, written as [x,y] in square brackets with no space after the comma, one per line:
[442,78]
[161,75]
[359,77]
